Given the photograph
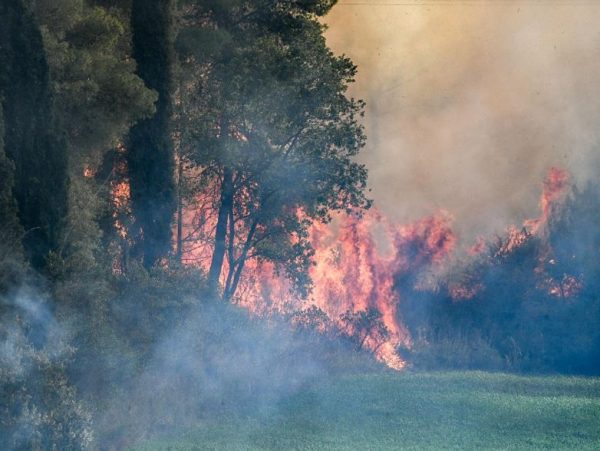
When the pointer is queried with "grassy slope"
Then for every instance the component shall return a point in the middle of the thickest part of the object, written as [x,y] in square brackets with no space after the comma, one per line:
[416,411]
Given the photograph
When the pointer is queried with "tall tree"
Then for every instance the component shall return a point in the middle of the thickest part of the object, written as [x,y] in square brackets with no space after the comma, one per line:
[150,149]
[32,139]
[98,97]
[277,134]
[10,230]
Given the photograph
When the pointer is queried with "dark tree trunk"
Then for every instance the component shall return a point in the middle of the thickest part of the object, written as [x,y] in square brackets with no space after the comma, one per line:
[179,244]
[150,151]
[226,204]
[232,287]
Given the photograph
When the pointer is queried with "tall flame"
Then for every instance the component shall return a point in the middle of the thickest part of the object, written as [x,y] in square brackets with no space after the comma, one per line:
[556,185]
[358,267]
[358,260]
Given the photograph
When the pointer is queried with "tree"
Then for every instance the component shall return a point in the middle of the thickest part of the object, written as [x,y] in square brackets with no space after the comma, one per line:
[98,97]
[33,140]
[150,149]
[277,135]
[11,250]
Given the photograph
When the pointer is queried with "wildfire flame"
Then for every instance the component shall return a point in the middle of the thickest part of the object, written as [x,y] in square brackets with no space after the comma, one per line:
[358,260]
[556,186]
[370,255]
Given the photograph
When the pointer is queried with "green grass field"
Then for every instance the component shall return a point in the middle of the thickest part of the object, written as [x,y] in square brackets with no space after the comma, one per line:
[470,410]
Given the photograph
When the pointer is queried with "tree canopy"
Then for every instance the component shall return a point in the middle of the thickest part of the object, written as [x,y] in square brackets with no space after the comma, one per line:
[275,134]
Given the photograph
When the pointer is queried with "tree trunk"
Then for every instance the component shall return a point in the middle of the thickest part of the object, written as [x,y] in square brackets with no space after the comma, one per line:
[230,253]
[179,249]
[230,291]
[218,256]
[33,140]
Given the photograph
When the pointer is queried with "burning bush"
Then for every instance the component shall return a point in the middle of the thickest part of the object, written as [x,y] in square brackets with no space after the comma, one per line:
[528,301]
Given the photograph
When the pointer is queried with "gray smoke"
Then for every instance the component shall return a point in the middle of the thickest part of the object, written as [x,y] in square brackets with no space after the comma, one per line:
[470,103]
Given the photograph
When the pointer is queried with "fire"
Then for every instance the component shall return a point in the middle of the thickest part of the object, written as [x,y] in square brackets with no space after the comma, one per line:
[359,266]
[362,263]
[120,192]
[88,171]
[556,187]
[358,262]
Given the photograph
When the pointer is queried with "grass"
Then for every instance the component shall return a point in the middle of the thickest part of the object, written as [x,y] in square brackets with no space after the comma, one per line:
[460,410]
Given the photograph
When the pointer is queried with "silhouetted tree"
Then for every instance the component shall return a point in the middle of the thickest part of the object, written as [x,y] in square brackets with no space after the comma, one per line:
[276,135]
[33,140]
[150,149]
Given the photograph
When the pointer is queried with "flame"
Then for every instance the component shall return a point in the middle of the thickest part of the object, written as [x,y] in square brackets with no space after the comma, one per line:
[358,268]
[556,187]
[358,260]
[464,292]
[88,171]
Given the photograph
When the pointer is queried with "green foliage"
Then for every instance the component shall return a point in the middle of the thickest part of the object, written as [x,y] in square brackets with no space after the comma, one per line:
[11,251]
[272,126]
[98,96]
[39,409]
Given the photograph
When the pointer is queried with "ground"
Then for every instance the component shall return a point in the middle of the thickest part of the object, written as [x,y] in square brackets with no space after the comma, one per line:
[459,410]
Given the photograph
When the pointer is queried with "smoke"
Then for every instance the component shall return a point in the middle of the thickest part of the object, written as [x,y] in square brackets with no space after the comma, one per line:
[30,327]
[215,361]
[40,408]
[470,103]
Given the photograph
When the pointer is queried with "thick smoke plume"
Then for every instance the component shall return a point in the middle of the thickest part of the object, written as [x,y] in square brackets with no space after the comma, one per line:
[470,103]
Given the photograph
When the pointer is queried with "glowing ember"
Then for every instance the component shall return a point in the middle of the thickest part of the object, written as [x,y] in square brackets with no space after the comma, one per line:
[463,292]
[88,171]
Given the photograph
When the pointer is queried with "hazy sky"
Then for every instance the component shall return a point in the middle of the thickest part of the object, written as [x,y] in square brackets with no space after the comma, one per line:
[470,103]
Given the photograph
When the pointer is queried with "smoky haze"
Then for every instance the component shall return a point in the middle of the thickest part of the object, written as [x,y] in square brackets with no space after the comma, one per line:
[470,104]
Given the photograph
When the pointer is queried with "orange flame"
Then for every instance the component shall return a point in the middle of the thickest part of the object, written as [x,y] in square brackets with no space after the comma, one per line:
[357,263]
[556,186]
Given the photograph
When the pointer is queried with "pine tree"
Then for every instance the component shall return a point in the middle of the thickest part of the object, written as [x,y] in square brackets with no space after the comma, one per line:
[150,150]
[32,138]
[11,251]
